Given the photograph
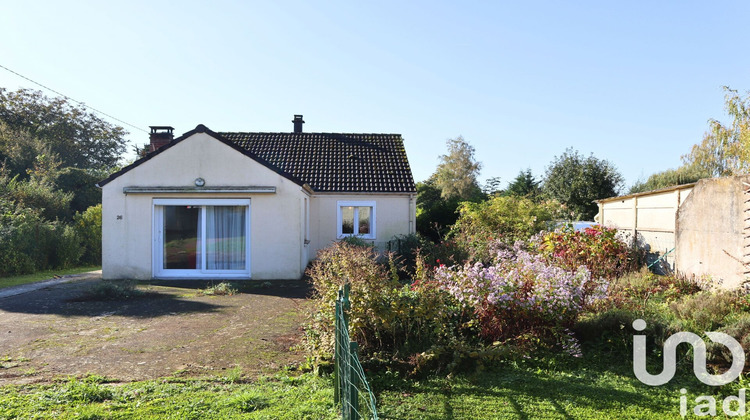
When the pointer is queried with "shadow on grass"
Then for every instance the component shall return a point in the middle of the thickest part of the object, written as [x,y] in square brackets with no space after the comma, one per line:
[519,393]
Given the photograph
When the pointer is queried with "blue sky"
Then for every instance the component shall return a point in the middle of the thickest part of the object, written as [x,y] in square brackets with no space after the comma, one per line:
[631,82]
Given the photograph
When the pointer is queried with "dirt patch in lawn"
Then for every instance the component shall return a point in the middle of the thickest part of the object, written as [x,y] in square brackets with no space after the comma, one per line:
[171,329]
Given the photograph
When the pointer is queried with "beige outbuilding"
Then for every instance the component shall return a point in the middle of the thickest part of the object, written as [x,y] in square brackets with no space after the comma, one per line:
[700,230]
[251,205]
[647,217]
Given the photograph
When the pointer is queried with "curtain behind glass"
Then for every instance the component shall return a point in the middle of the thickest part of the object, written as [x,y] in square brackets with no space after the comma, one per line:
[225,237]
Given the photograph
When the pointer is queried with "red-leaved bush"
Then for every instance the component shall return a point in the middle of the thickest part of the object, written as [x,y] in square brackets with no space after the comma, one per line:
[597,248]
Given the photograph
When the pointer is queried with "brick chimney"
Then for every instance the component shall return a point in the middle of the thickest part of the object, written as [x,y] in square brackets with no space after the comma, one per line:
[160,136]
[298,123]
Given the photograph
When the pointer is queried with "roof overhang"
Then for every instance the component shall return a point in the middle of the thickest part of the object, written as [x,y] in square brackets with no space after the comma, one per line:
[641,194]
[200,190]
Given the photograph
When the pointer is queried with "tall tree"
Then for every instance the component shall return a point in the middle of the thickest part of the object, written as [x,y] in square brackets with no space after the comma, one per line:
[435,215]
[456,175]
[683,175]
[492,186]
[19,151]
[725,149]
[79,138]
[577,181]
[524,185]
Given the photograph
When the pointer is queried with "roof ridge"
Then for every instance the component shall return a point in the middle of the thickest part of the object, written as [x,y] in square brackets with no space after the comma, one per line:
[308,132]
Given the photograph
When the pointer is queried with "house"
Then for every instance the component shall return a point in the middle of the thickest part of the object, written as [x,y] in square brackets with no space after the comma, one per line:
[702,230]
[258,206]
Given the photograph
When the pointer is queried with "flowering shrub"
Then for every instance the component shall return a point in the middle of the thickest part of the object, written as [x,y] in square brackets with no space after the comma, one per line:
[597,248]
[521,293]
[503,219]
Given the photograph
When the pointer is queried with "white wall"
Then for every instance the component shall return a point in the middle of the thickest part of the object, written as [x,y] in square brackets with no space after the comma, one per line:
[395,215]
[276,220]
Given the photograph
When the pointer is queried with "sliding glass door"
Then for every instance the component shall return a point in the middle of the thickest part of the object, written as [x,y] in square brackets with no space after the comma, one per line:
[201,238]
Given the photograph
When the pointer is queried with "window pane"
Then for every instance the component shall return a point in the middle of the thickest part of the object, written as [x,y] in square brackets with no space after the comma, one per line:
[225,237]
[364,220]
[181,243]
[347,220]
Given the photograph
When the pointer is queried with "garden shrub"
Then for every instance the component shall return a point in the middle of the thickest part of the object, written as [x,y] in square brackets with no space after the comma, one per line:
[334,266]
[387,318]
[521,294]
[447,252]
[408,248]
[82,184]
[636,289]
[413,319]
[612,329]
[598,248]
[37,194]
[505,219]
[29,243]
[739,328]
[455,312]
[461,355]
[64,249]
[705,311]
[88,226]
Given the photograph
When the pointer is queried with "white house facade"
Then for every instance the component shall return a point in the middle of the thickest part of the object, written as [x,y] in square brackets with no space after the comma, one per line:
[251,205]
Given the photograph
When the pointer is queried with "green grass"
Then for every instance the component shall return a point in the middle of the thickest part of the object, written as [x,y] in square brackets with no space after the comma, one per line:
[529,390]
[219,289]
[43,275]
[278,397]
[547,388]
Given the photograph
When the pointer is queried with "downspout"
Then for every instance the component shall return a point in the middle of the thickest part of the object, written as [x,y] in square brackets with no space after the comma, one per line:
[412,213]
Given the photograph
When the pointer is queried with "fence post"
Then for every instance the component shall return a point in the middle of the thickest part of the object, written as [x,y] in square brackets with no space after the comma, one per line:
[344,353]
[346,303]
[354,379]
[337,351]
[348,373]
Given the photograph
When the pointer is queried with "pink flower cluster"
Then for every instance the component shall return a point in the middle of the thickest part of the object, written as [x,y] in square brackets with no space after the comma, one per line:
[522,281]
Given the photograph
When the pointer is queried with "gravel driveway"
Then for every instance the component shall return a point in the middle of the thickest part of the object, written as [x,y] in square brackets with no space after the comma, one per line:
[171,329]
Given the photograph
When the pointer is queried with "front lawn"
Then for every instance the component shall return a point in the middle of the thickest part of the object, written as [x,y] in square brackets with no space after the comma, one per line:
[550,388]
[228,397]
[547,388]
[43,275]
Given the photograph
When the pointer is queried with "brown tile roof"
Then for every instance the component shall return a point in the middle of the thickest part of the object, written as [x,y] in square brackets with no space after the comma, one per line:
[327,162]
[331,162]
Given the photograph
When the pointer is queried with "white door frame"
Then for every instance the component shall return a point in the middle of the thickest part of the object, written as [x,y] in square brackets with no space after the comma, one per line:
[157,254]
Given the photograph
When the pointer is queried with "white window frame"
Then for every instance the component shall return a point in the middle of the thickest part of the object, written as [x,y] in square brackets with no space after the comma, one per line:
[339,219]
[157,254]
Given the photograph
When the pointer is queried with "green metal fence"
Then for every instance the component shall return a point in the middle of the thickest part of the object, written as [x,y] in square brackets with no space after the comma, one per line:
[351,390]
